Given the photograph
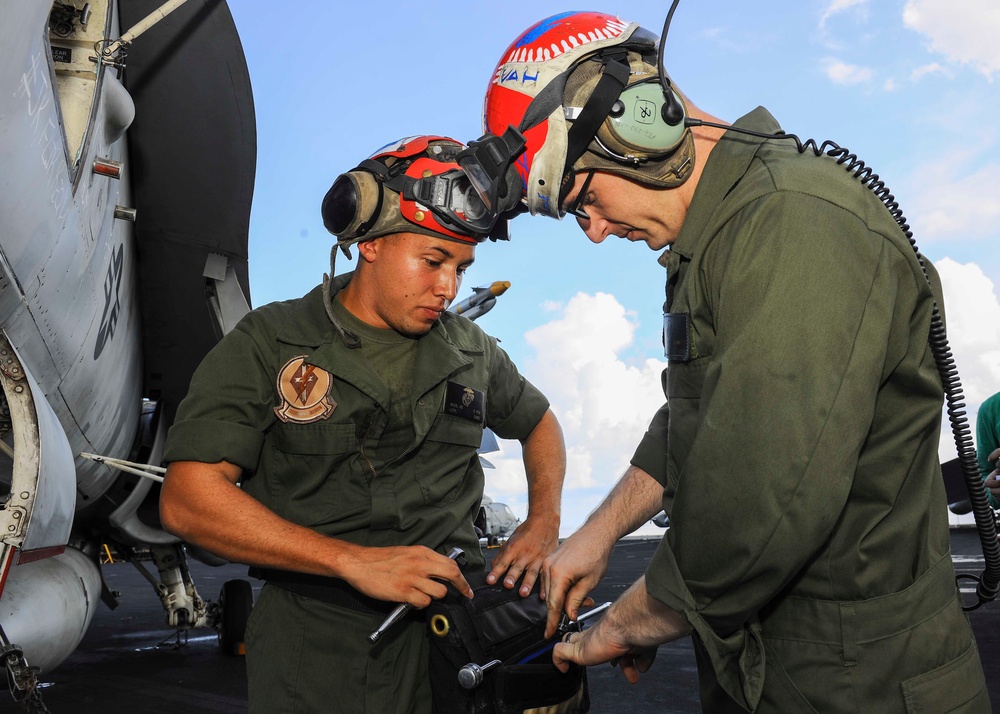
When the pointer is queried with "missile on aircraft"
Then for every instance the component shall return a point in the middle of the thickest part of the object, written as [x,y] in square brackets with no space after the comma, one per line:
[482,300]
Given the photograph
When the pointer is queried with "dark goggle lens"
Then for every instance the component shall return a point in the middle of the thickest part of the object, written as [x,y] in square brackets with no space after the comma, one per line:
[340,205]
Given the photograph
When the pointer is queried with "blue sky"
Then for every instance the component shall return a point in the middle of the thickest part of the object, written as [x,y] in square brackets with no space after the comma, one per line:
[908,85]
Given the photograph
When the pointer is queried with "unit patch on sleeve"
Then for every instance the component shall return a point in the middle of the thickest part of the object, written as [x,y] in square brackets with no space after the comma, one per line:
[305,392]
[465,402]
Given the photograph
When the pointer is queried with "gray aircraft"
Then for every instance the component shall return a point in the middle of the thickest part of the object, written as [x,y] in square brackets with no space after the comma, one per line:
[126,174]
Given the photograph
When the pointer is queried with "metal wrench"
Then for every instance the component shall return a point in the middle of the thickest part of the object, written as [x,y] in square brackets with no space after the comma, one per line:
[404,607]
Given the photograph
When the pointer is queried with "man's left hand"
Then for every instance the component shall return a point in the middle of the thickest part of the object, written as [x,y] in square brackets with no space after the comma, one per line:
[598,645]
[523,554]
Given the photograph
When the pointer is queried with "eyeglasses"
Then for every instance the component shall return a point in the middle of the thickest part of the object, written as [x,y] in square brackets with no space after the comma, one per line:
[576,209]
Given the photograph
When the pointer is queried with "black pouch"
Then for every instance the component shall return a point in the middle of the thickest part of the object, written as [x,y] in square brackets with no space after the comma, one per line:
[498,624]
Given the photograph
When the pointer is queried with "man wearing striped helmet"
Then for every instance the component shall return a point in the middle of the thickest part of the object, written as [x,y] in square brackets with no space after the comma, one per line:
[796,456]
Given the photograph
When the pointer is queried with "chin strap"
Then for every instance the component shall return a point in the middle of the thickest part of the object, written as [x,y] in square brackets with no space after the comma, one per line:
[350,339]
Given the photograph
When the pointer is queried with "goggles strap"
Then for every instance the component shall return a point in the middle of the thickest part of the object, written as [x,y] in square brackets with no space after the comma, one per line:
[614,78]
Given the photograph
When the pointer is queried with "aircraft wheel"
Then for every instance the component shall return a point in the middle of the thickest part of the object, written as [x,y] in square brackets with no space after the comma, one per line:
[236,600]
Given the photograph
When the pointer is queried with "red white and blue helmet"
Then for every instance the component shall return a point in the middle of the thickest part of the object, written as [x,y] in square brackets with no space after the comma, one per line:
[556,64]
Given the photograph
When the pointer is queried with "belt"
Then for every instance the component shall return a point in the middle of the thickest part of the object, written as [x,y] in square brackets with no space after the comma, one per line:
[329,590]
[861,621]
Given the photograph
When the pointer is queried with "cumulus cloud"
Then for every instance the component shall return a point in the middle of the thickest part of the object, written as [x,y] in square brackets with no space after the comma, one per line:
[840,72]
[966,36]
[972,313]
[603,402]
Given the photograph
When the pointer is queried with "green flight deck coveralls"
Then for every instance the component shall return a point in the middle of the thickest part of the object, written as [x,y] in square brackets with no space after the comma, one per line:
[305,416]
[808,543]
[988,439]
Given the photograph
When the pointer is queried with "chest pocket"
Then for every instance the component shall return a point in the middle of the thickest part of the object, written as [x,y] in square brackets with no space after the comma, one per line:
[315,439]
[444,457]
[309,474]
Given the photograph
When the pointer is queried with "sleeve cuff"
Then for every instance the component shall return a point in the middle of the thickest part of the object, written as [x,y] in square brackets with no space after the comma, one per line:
[211,441]
[529,410]
[651,456]
[738,658]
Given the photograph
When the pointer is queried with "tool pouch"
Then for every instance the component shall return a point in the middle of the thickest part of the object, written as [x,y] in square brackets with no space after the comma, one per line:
[498,624]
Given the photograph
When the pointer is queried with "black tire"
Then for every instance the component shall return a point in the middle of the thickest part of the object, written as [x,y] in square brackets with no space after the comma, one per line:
[236,600]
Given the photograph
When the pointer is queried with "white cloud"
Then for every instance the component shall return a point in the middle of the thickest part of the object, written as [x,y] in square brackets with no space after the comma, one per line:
[603,403]
[838,6]
[921,72]
[951,207]
[972,315]
[843,73]
[965,34]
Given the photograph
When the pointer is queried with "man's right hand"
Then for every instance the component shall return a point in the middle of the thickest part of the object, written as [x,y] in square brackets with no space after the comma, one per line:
[993,480]
[412,574]
[570,573]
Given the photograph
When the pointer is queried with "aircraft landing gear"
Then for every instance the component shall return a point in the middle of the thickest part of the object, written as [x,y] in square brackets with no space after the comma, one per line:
[236,600]
[22,680]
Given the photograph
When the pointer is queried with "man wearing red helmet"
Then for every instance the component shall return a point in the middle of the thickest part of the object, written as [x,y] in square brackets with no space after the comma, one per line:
[331,443]
[808,551]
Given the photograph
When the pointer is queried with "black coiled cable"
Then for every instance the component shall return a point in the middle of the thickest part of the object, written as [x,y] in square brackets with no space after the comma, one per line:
[987,584]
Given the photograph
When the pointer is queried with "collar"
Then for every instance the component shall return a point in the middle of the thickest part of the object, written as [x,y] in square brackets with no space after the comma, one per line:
[445,348]
[727,164]
[308,325]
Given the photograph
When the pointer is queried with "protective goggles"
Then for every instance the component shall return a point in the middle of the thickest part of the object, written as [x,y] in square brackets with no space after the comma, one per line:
[489,164]
[428,191]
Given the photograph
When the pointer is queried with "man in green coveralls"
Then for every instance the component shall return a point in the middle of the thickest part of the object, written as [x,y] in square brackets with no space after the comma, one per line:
[808,552]
[331,443]
[988,445]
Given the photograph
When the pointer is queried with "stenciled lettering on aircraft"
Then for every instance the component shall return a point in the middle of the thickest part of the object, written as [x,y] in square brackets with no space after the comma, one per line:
[36,89]
[112,300]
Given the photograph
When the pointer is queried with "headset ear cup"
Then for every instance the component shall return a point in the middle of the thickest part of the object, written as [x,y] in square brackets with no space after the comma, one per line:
[641,131]
[350,204]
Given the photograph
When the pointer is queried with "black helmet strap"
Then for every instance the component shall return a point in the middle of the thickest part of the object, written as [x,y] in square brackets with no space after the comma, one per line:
[614,78]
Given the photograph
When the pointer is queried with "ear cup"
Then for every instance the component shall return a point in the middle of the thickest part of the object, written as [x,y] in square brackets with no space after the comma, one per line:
[352,204]
[643,125]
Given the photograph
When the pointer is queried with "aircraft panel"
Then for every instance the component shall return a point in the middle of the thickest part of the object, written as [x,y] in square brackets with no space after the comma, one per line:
[199,204]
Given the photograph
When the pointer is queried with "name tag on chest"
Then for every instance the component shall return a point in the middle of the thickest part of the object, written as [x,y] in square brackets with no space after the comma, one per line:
[465,402]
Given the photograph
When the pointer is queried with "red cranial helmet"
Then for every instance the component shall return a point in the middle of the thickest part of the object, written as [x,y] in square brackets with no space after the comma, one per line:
[583,88]
[412,185]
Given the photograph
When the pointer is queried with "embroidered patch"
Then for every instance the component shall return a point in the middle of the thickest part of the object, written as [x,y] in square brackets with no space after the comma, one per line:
[305,392]
[465,402]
